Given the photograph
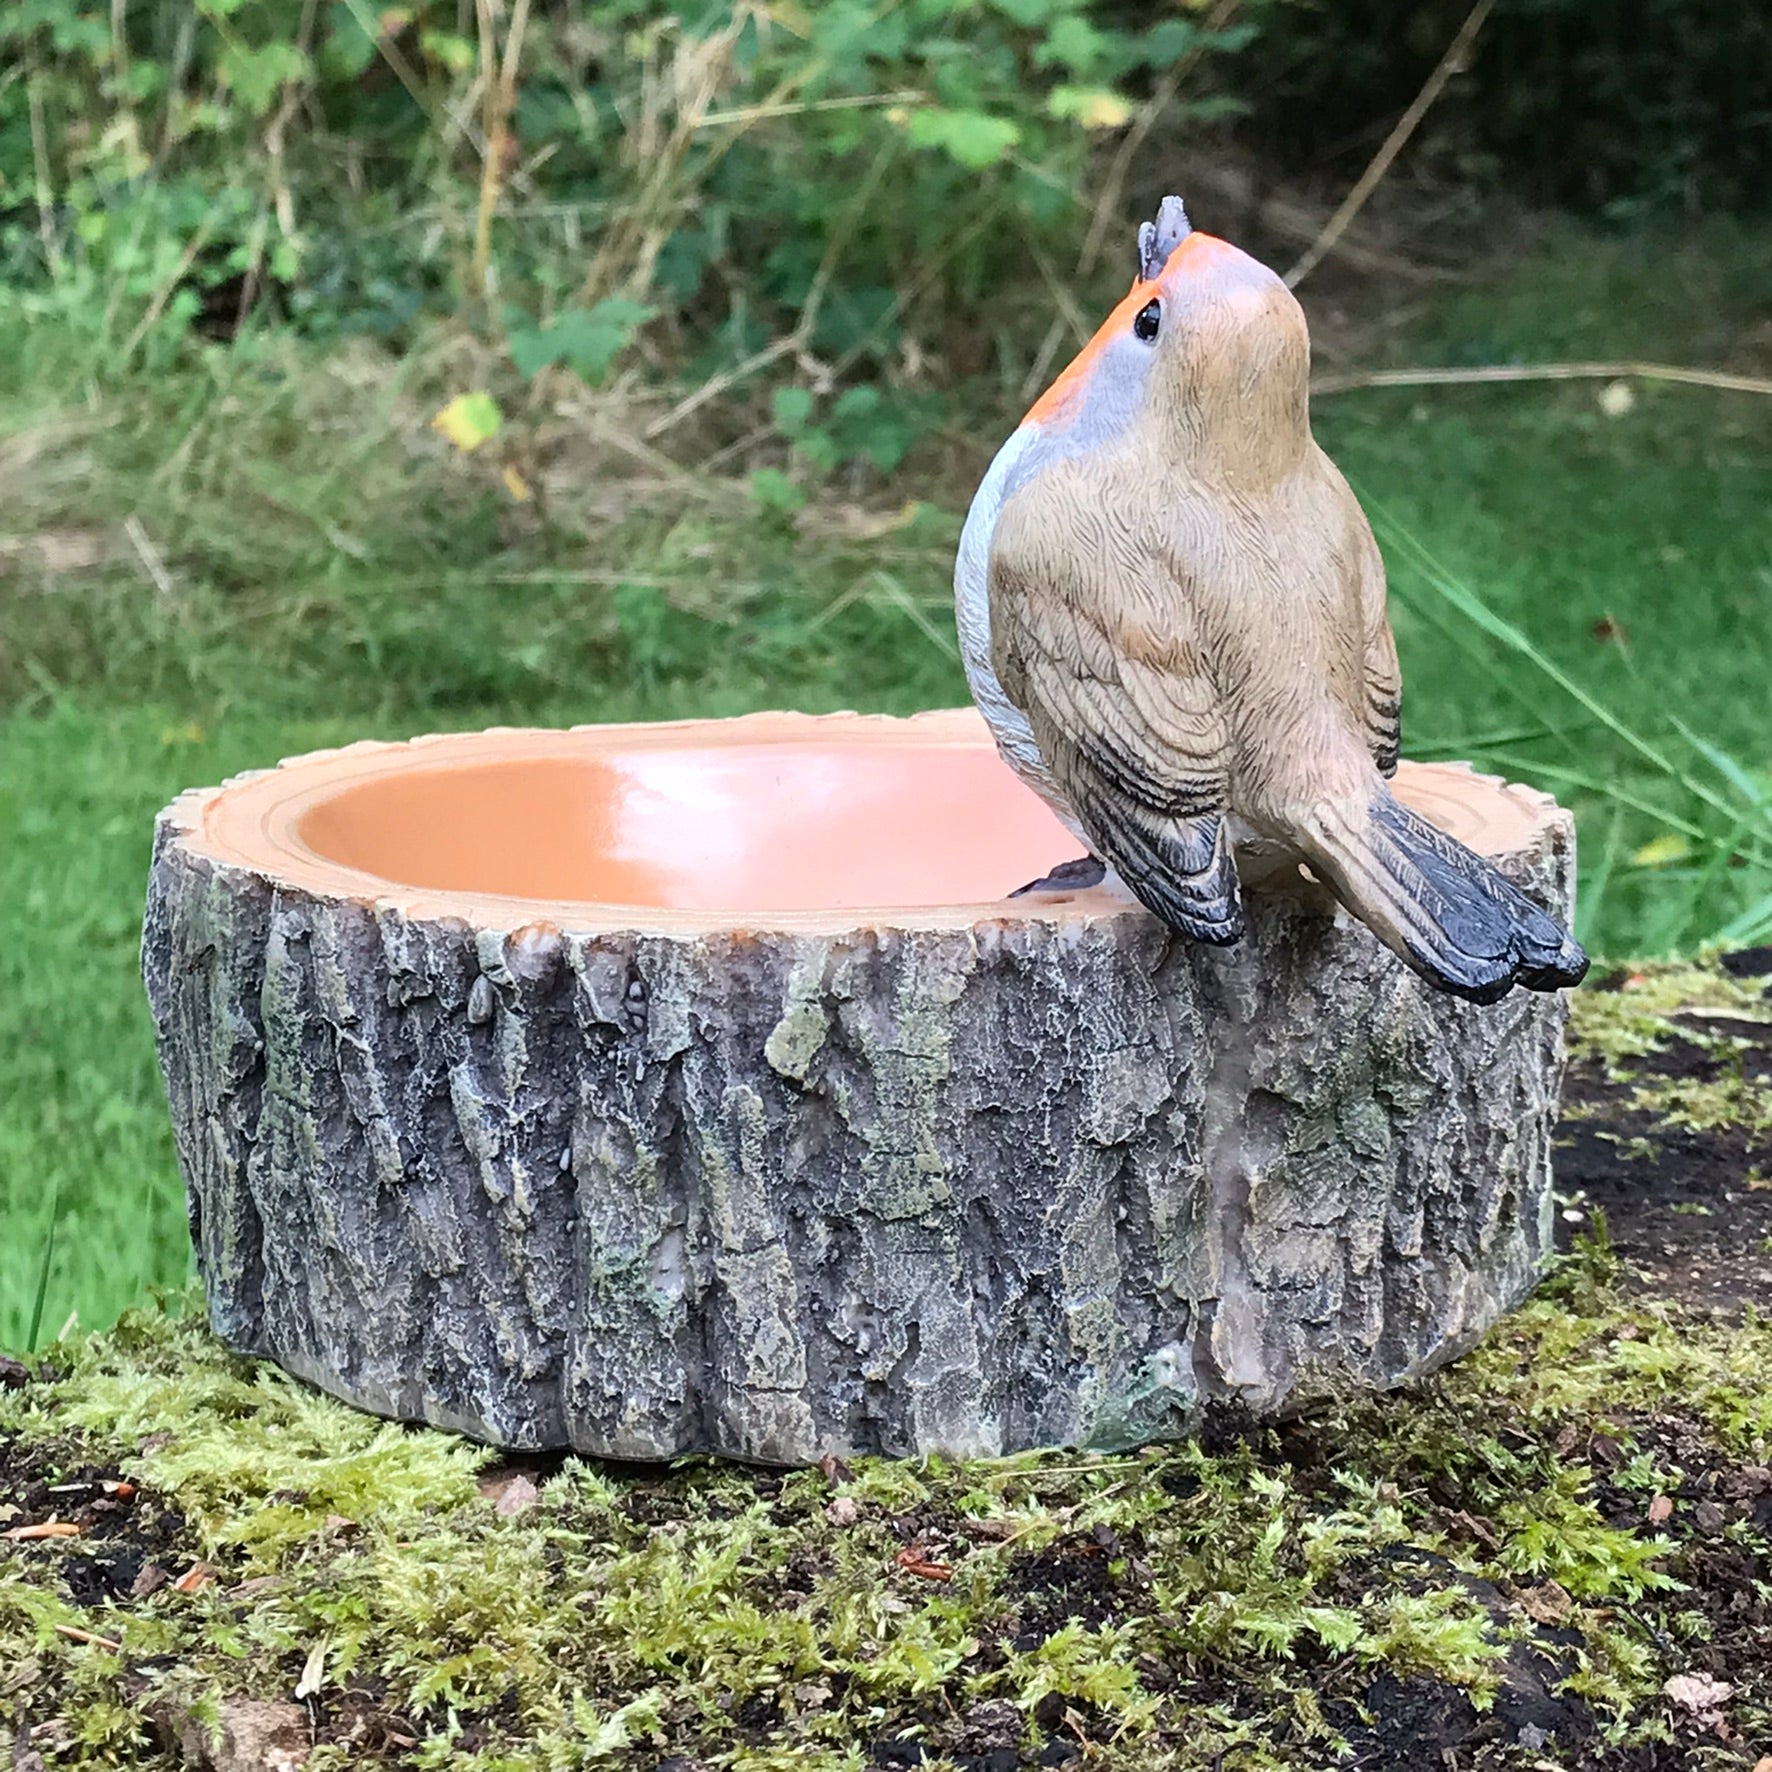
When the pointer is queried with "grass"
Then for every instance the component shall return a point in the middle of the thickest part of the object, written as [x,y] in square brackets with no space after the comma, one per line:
[304,562]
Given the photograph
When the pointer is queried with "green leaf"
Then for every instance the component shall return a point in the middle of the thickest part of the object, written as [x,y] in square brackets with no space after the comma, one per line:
[448,50]
[348,48]
[1030,14]
[585,340]
[1662,851]
[973,138]
[1073,43]
[1228,39]
[1095,107]
[256,76]
[1169,41]
[819,448]
[774,491]
[793,407]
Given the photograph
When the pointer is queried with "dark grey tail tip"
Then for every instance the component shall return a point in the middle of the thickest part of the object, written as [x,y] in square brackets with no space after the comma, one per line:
[1564,973]
[1568,970]
[1156,240]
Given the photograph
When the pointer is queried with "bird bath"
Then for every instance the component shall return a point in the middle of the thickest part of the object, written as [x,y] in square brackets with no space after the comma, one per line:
[694,1087]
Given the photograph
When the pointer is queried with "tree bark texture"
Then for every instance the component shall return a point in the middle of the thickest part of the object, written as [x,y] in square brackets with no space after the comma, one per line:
[1055,1177]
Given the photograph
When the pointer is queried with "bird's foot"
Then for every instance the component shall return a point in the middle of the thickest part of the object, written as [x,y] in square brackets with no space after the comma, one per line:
[1068,876]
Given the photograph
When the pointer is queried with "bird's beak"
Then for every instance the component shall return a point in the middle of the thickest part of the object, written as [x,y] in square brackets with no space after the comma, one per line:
[1156,240]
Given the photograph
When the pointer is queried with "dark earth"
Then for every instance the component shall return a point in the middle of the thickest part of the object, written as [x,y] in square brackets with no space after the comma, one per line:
[1689,1210]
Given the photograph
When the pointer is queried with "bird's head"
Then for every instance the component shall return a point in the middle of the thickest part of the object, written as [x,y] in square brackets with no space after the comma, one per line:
[1207,356]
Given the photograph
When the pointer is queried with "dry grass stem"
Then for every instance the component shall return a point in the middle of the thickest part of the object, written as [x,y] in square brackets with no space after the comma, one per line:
[169,286]
[1518,372]
[854,101]
[797,342]
[44,180]
[499,80]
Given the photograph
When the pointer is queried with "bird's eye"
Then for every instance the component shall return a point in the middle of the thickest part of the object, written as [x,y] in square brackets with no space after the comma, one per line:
[1150,317]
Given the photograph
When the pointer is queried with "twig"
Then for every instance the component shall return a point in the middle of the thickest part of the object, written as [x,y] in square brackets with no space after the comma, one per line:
[1068,310]
[929,273]
[1517,372]
[45,185]
[1035,379]
[636,231]
[800,338]
[501,100]
[75,1635]
[282,198]
[718,384]
[390,52]
[737,447]
[1368,181]
[177,66]
[852,102]
[157,306]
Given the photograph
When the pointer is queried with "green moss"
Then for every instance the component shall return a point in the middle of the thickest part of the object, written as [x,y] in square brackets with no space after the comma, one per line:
[1632,1015]
[259,1462]
[1159,1605]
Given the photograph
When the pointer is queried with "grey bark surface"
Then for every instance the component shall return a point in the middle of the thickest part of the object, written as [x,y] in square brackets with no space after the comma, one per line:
[1045,1180]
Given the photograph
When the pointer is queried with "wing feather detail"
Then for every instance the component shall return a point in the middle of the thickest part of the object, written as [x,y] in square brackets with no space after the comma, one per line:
[1095,645]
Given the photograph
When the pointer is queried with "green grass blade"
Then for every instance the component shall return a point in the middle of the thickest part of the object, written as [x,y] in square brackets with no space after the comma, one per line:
[1591,901]
[1748,928]
[43,1266]
[1753,792]
[1680,914]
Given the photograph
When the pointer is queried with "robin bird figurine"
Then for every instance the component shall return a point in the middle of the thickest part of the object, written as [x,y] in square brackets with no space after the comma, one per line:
[1172,614]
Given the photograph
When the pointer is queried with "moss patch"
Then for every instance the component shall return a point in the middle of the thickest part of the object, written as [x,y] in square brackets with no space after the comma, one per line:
[1506,1563]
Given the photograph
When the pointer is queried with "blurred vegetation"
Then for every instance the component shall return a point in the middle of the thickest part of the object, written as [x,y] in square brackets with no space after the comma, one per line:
[1624,108]
[706,185]
[378,368]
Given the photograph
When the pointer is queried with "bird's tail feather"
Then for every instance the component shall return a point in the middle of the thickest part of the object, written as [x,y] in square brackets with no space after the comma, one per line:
[1445,911]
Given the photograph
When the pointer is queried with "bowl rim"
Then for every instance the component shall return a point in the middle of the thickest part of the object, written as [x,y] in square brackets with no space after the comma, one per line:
[248,824]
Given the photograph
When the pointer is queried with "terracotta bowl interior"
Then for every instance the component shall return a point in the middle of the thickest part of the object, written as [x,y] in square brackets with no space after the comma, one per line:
[769,826]
[700,822]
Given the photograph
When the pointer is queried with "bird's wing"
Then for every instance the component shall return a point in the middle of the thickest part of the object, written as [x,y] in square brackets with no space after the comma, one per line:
[1093,641]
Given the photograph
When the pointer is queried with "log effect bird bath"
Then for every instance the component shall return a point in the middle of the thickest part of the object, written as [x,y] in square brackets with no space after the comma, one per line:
[692,1087]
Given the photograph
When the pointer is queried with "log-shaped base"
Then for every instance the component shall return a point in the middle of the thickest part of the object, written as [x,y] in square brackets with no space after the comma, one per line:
[660,1089]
